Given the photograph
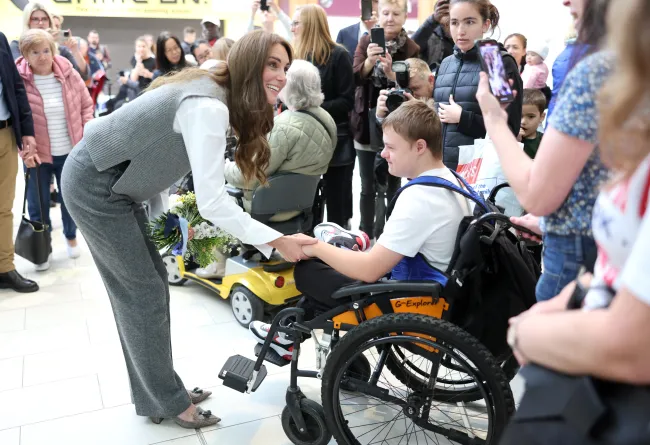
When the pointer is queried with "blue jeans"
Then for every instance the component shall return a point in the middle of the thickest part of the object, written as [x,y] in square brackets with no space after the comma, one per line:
[45,172]
[563,256]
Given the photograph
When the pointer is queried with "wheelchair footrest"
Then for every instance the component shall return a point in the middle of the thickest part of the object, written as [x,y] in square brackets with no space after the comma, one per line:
[271,356]
[238,371]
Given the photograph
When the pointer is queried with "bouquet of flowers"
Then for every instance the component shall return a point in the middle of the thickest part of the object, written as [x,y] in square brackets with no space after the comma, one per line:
[185,232]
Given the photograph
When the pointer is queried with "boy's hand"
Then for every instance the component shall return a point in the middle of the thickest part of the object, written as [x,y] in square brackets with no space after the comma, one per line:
[450,114]
[520,136]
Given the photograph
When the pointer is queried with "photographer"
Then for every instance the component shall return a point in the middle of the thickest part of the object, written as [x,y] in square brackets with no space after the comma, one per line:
[414,81]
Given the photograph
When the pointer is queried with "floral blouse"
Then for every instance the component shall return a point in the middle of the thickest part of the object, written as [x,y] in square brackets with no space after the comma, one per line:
[576,115]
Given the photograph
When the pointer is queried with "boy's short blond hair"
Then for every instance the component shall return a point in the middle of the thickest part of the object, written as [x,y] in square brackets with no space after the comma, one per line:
[415,120]
[33,38]
[418,67]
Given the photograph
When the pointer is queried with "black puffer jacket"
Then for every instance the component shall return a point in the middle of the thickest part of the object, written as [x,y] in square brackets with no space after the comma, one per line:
[459,75]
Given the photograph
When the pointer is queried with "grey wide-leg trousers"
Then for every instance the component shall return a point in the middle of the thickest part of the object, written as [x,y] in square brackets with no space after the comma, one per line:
[114,227]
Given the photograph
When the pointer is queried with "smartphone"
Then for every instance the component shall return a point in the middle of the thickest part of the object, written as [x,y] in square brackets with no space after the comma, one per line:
[263,5]
[121,73]
[66,34]
[492,63]
[377,36]
[366,10]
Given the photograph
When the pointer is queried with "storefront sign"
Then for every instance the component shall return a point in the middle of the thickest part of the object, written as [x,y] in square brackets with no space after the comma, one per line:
[171,9]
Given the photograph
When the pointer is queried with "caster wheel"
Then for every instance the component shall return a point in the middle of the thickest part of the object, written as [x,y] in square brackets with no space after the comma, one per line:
[317,432]
[174,277]
[246,306]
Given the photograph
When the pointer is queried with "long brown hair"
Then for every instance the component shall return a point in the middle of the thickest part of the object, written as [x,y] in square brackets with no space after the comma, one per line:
[315,42]
[251,116]
[625,98]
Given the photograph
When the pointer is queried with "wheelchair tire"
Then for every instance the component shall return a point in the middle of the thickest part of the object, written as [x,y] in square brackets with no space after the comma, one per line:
[173,272]
[395,365]
[245,305]
[317,432]
[500,403]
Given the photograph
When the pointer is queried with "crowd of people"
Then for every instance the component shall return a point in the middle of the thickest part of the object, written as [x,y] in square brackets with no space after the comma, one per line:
[298,100]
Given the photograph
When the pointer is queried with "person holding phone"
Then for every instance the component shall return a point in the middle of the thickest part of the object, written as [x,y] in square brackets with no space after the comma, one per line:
[350,36]
[433,36]
[143,63]
[561,184]
[372,73]
[458,78]
[37,16]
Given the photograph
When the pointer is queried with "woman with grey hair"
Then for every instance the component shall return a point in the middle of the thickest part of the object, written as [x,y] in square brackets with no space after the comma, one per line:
[303,137]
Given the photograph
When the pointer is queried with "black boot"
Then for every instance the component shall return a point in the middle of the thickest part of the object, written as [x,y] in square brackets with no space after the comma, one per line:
[14,280]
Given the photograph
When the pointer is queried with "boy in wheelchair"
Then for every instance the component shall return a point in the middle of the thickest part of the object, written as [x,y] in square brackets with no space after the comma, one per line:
[419,237]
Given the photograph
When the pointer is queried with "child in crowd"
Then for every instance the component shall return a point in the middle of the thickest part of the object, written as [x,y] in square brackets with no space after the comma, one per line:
[536,72]
[533,113]
[419,237]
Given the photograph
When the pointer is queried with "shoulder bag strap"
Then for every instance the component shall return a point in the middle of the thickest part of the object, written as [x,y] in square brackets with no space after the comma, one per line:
[317,120]
[38,192]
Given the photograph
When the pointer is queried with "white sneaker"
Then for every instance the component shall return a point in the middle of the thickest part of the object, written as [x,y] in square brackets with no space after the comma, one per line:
[73,251]
[280,344]
[336,235]
[212,270]
[43,266]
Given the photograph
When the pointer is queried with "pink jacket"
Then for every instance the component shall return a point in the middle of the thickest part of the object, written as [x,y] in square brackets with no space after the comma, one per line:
[535,76]
[79,107]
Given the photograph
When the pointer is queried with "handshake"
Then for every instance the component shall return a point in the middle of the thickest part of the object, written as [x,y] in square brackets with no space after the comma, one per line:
[295,247]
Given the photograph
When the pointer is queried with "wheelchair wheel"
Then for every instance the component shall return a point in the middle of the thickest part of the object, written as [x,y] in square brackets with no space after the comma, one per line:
[246,306]
[413,415]
[316,434]
[452,384]
[173,272]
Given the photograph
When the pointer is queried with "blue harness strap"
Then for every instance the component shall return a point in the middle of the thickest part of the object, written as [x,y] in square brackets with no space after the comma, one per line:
[417,267]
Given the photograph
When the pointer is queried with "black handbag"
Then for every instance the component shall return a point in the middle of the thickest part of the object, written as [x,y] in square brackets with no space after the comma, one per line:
[560,409]
[344,154]
[33,240]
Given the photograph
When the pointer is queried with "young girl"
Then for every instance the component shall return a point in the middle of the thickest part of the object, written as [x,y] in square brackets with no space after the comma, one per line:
[458,77]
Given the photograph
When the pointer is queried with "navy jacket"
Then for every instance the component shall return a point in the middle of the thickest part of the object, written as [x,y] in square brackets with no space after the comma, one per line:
[459,75]
[14,94]
[349,37]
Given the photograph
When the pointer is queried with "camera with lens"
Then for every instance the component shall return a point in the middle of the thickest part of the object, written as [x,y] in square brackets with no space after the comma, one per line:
[396,97]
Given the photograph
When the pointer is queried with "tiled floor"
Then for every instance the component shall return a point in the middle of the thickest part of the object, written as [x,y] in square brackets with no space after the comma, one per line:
[63,379]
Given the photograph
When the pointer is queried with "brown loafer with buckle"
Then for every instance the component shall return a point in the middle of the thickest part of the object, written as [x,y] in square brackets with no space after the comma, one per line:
[198,395]
[201,419]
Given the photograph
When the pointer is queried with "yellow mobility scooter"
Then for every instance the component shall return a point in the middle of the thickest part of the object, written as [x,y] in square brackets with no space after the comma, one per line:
[255,285]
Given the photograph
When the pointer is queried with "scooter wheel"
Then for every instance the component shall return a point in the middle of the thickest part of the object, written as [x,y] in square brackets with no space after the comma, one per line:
[316,433]
[246,306]
[174,277]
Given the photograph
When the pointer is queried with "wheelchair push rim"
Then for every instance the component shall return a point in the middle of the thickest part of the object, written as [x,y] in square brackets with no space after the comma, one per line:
[388,412]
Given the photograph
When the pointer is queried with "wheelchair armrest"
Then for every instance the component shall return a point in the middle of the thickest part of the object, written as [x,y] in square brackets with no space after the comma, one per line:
[424,287]
[235,192]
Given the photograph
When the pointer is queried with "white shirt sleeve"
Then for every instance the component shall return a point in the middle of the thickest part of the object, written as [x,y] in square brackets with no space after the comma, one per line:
[410,225]
[635,272]
[203,122]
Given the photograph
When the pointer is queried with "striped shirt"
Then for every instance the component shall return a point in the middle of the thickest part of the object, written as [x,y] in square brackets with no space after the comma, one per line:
[57,126]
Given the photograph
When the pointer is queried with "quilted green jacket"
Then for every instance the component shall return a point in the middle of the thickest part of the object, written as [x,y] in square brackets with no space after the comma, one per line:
[299,144]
